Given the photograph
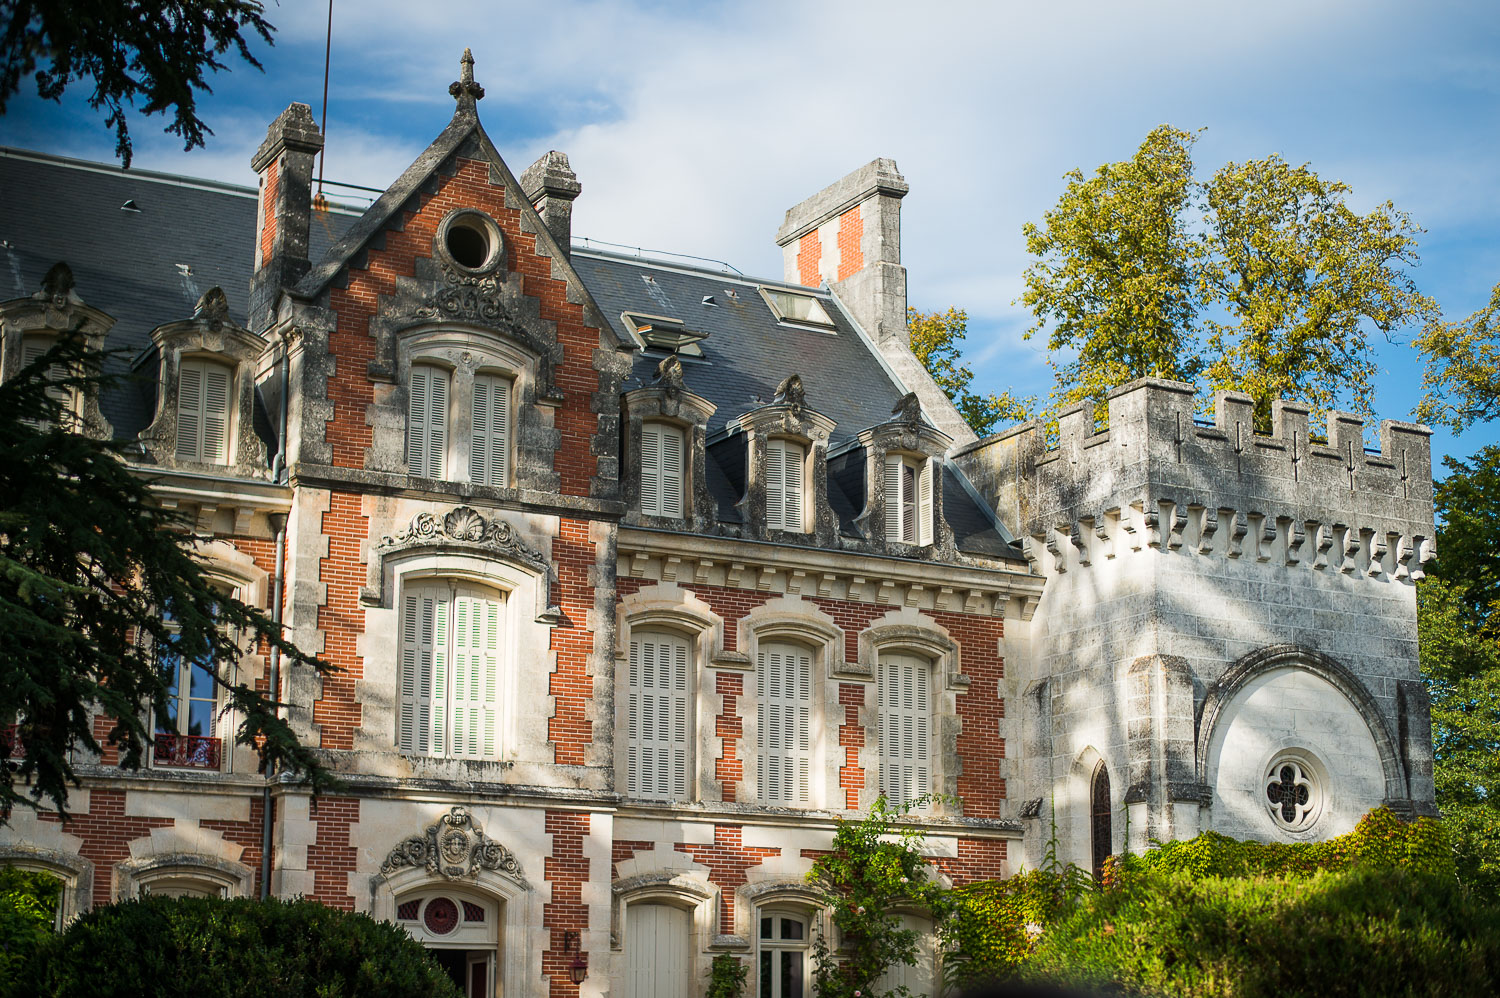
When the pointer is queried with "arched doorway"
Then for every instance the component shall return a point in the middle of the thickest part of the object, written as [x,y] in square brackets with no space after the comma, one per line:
[462,931]
[1101,827]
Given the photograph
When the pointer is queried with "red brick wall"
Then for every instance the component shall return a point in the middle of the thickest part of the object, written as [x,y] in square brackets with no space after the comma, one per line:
[572,688]
[727,860]
[851,233]
[567,870]
[809,256]
[331,857]
[851,739]
[409,237]
[980,745]
[342,620]
[623,849]
[269,186]
[728,768]
[978,859]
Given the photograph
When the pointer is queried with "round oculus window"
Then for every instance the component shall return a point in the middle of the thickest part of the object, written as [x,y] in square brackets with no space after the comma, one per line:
[471,241]
[441,916]
[1292,792]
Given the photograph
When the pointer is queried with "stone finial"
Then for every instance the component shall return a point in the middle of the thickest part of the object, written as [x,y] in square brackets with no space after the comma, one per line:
[464,89]
[790,392]
[669,373]
[57,286]
[908,409]
[213,307]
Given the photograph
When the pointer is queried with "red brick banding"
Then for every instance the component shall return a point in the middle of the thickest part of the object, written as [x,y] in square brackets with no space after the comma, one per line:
[567,870]
[727,860]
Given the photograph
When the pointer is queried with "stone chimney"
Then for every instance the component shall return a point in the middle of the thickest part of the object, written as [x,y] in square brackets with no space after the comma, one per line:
[551,185]
[284,164]
[849,234]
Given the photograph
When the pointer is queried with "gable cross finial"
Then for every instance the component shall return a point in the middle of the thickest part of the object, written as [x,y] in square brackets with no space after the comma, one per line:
[464,89]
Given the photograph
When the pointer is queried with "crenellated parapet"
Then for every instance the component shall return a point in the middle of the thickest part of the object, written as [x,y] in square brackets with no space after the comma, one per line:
[1159,478]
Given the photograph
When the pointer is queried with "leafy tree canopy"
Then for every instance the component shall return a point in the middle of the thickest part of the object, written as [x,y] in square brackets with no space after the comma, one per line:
[935,339]
[88,563]
[1261,277]
[1462,379]
[149,55]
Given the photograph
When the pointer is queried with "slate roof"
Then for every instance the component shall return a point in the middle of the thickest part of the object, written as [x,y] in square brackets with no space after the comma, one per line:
[149,266]
[130,263]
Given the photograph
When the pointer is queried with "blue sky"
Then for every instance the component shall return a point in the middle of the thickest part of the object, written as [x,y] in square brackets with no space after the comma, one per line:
[693,126]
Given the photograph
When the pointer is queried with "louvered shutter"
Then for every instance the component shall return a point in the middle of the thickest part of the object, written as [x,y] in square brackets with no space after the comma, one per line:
[657,728]
[792,461]
[671,471]
[908,502]
[651,470]
[427,421]
[905,703]
[420,612]
[489,447]
[440,673]
[473,693]
[924,502]
[783,683]
[775,484]
[215,414]
[32,348]
[893,466]
[189,410]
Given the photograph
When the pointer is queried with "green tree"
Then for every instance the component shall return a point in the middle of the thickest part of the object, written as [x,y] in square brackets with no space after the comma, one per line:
[1262,278]
[1114,282]
[873,866]
[88,565]
[1459,645]
[1300,278]
[935,337]
[1462,378]
[151,53]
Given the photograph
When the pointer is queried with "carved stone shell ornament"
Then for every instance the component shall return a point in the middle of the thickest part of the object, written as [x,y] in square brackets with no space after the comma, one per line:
[454,847]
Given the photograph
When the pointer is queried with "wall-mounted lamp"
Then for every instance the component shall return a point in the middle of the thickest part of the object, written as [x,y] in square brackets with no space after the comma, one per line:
[578,970]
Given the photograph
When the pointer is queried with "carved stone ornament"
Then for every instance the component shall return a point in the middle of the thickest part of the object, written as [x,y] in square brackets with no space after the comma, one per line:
[791,393]
[454,847]
[213,308]
[908,409]
[466,296]
[58,284]
[669,375]
[465,525]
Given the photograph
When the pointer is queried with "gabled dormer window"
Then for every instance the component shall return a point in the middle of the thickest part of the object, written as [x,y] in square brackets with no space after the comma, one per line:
[908,499]
[785,485]
[203,390]
[662,447]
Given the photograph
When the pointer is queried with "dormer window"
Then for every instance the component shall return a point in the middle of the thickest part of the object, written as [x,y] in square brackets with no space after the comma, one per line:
[799,309]
[908,499]
[785,485]
[203,390]
[662,449]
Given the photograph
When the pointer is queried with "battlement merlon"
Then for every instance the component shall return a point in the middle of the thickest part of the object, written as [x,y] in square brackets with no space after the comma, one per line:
[1153,450]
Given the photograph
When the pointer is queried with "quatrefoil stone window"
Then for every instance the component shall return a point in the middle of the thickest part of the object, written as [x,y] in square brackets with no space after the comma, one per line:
[1293,793]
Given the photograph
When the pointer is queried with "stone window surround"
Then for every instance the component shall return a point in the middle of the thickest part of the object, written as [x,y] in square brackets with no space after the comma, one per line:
[133,876]
[464,354]
[905,438]
[675,406]
[49,312]
[753,897]
[1312,767]
[687,891]
[75,872]
[797,422]
[208,335]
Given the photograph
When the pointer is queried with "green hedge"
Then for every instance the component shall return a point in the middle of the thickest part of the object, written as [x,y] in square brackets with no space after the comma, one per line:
[240,948]
[28,912]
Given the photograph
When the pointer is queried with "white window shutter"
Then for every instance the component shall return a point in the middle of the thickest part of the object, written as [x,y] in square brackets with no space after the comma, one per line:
[437,422]
[775,484]
[489,446]
[679,720]
[658,731]
[908,502]
[671,471]
[925,482]
[215,414]
[189,410]
[419,686]
[473,695]
[893,466]
[651,470]
[783,764]
[634,706]
[792,471]
[441,673]
[905,704]
[427,421]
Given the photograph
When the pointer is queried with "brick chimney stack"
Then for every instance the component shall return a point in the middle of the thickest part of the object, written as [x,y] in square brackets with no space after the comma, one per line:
[284,164]
[551,186]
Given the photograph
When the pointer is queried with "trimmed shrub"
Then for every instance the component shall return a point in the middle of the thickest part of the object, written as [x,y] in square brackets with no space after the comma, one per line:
[28,911]
[1366,932]
[239,948]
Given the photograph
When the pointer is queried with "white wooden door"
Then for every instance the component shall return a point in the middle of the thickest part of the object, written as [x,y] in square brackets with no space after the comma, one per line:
[658,957]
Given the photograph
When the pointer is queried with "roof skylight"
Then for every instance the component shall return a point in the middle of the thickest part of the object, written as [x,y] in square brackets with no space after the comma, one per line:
[800,309]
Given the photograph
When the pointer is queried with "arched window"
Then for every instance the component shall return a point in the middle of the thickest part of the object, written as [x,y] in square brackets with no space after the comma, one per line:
[783,713]
[783,941]
[905,703]
[658,717]
[1101,826]
[449,670]
[658,957]
[461,934]
[203,389]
